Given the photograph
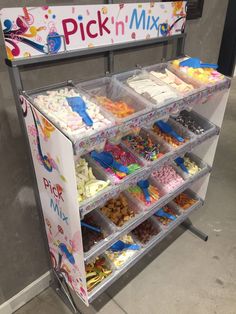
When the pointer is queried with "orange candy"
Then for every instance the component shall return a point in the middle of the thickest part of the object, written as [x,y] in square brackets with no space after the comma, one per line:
[184,201]
[120,109]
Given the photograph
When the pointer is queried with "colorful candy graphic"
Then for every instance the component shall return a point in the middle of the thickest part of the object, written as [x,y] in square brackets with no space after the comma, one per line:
[21,31]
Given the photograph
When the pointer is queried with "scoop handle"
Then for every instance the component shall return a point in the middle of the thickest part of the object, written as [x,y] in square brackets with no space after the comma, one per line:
[162,213]
[86,118]
[209,65]
[120,167]
[176,136]
[146,194]
[83,224]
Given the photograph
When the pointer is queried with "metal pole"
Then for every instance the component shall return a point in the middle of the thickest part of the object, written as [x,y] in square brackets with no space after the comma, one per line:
[187,224]
[110,61]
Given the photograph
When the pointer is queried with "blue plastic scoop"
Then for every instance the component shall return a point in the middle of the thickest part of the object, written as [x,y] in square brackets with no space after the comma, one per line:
[162,213]
[120,246]
[180,162]
[106,160]
[144,185]
[78,105]
[67,253]
[84,224]
[166,128]
[196,63]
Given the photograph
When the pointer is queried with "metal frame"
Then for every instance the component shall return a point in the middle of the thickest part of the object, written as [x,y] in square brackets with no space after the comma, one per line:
[15,67]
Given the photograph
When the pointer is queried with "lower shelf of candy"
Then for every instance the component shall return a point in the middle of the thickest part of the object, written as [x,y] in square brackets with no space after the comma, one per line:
[152,231]
[139,147]
[126,211]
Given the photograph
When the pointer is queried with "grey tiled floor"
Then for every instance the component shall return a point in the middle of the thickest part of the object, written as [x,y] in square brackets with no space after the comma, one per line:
[189,276]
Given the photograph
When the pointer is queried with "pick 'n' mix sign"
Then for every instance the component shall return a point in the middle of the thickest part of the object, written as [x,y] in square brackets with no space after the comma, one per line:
[35,31]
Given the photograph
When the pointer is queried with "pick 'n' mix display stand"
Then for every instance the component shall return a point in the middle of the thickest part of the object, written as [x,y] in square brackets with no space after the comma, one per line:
[41,35]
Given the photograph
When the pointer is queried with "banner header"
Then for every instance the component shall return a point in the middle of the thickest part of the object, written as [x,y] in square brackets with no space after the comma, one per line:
[35,31]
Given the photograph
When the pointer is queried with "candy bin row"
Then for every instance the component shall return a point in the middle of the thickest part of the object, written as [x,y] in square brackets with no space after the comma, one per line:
[107,108]
[120,211]
[101,175]
[131,245]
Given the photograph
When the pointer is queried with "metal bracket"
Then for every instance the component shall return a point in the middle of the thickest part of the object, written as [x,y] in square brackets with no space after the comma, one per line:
[187,224]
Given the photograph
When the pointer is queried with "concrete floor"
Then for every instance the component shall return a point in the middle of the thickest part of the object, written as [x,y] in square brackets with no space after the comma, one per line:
[189,275]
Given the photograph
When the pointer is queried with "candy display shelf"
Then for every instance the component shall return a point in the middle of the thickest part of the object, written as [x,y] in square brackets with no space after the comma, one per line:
[142,216]
[151,244]
[60,133]
[99,200]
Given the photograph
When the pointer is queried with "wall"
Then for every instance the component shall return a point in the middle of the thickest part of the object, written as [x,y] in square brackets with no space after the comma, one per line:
[23,254]
[204,34]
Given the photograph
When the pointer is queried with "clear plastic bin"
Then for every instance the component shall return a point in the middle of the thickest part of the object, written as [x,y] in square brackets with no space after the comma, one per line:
[163,68]
[164,148]
[101,197]
[141,74]
[147,207]
[209,127]
[164,186]
[139,232]
[113,90]
[89,237]
[179,129]
[78,134]
[118,259]
[132,205]
[191,207]
[128,178]
[91,272]
[201,165]
[167,223]
[188,79]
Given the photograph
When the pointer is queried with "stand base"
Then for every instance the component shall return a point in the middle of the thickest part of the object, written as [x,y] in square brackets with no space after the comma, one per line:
[187,224]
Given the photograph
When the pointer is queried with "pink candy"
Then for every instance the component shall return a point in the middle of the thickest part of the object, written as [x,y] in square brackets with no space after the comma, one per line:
[168,177]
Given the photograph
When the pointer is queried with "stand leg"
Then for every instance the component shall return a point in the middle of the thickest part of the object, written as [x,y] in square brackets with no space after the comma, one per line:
[64,293]
[187,224]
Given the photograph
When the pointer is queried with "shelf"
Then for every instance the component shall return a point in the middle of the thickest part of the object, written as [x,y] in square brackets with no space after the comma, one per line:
[118,273]
[101,247]
[88,143]
[89,205]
